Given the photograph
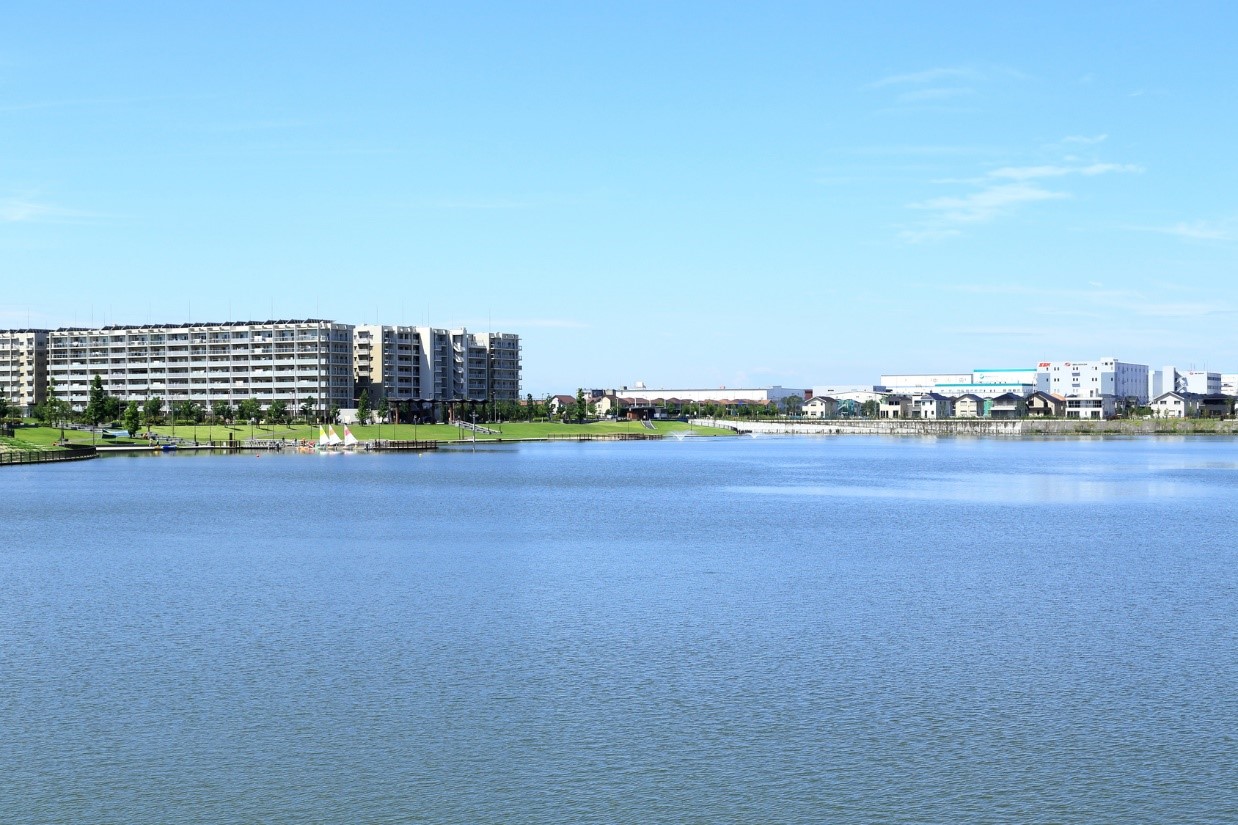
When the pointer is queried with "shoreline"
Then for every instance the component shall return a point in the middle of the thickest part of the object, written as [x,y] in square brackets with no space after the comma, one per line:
[1013,428]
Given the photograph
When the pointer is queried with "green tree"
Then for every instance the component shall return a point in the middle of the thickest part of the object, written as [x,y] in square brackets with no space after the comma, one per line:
[53,410]
[152,411]
[792,404]
[111,408]
[249,410]
[384,409]
[277,413]
[188,411]
[581,407]
[6,409]
[308,408]
[132,419]
[333,414]
[363,407]
[870,409]
[222,411]
[94,413]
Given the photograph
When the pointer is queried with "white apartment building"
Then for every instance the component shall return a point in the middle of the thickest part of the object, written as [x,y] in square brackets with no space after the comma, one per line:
[427,365]
[23,367]
[1094,379]
[289,361]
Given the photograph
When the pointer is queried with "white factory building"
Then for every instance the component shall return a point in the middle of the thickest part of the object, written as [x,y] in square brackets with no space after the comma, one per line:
[756,395]
[1094,379]
[1171,379]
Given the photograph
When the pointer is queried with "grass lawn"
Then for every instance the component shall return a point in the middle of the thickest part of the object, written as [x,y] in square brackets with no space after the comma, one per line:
[42,438]
[433,432]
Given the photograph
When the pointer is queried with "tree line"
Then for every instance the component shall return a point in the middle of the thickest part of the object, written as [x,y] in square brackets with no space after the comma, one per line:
[103,408]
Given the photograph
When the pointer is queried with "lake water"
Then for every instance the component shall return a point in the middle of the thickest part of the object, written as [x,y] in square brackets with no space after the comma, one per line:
[764,630]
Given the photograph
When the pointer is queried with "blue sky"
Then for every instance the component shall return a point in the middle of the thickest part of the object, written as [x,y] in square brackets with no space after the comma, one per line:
[696,194]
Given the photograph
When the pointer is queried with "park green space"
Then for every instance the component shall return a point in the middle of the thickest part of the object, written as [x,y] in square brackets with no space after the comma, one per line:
[46,437]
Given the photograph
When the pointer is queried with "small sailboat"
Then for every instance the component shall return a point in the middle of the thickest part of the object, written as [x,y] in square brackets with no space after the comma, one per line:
[323,441]
[350,440]
[333,439]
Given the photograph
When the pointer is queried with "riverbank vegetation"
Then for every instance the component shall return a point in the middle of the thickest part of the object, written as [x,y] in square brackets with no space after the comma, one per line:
[44,437]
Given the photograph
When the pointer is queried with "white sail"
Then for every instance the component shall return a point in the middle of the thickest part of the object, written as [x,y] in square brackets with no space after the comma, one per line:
[332,437]
[350,440]
[322,437]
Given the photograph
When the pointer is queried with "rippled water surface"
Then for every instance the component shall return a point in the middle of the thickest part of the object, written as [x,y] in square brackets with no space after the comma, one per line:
[843,630]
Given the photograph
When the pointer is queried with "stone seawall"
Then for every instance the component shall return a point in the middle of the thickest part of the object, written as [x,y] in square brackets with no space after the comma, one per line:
[1018,427]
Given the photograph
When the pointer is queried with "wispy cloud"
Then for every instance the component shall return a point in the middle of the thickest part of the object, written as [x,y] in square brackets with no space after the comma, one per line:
[1053,171]
[997,193]
[1225,230]
[1095,301]
[23,209]
[256,126]
[927,76]
[935,95]
[1197,309]
[988,203]
[500,202]
[1085,140]
[927,235]
[999,332]
[87,102]
[526,323]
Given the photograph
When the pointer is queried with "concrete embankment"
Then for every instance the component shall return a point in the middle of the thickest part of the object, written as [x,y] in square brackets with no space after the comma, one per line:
[1015,428]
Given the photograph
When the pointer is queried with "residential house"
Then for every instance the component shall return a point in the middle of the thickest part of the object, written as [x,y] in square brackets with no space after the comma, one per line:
[1176,405]
[1008,405]
[895,406]
[969,406]
[1045,405]
[935,406]
[559,404]
[1097,406]
[820,406]
[1216,405]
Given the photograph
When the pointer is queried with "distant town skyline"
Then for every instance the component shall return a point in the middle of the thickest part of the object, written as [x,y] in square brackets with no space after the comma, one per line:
[681,194]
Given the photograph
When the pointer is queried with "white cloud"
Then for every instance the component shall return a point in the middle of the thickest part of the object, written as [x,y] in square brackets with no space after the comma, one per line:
[926,76]
[1106,168]
[987,204]
[1051,171]
[528,323]
[998,192]
[1085,140]
[927,235]
[25,210]
[1180,310]
[935,95]
[1030,172]
[1200,231]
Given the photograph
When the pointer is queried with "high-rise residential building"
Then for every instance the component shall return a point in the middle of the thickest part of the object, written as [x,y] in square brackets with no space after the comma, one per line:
[23,367]
[289,361]
[429,370]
